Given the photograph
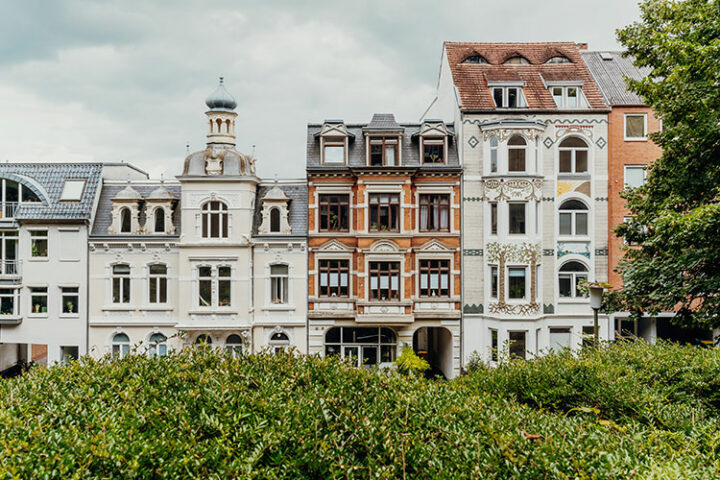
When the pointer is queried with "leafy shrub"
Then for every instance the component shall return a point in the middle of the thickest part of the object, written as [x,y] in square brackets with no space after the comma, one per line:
[198,414]
[409,363]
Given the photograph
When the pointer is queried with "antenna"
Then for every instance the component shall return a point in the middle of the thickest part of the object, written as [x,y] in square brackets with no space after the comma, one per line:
[253,152]
[187,147]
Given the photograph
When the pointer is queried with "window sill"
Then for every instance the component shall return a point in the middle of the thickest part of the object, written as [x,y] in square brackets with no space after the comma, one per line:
[278,308]
[37,315]
[573,238]
[332,299]
[213,311]
[582,176]
[38,259]
[573,301]
[636,139]
[118,308]
[157,308]
[69,315]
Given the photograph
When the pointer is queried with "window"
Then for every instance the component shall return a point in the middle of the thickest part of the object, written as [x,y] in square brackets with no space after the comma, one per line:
[334,278]
[275,220]
[558,59]
[567,97]
[494,281]
[384,152]
[384,212]
[635,175]
[435,212]
[121,283]
[28,196]
[516,282]
[476,59]
[224,286]
[203,340]
[334,151]
[158,345]
[214,220]
[205,286]
[516,60]
[362,345]
[234,345]
[494,345]
[39,243]
[508,97]
[559,339]
[120,345]
[434,278]
[279,342]
[433,150]
[493,218]
[9,264]
[636,127]
[384,280]
[334,213]
[158,284]
[569,278]
[518,346]
[493,154]
[279,284]
[68,354]
[573,156]
[73,190]
[8,301]
[208,283]
[70,299]
[516,214]
[573,218]
[38,299]
[159,220]
[517,149]
[125,220]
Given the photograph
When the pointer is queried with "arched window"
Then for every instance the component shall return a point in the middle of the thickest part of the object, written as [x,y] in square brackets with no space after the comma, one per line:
[158,345]
[573,156]
[203,340]
[517,151]
[214,220]
[279,341]
[125,223]
[120,345]
[477,59]
[279,284]
[516,60]
[363,345]
[121,283]
[558,59]
[157,283]
[570,276]
[234,345]
[493,154]
[275,220]
[573,218]
[159,220]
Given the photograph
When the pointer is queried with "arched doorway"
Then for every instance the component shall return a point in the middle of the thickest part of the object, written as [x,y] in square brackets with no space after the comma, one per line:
[435,345]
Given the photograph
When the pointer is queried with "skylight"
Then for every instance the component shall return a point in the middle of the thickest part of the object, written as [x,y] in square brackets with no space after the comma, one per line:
[73,190]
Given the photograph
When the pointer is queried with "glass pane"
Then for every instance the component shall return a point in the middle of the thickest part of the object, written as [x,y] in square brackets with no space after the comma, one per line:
[565,285]
[517,344]
[581,162]
[517,217]
[334,154]
[493,160]
[634,176]
[565,224]
[512,98]
[369,355]
[516,283]
[158,269]
[498,97]
[278,269]
[516,159]
[494,282]
[581,224]
[572,97]
[205,293]
[634,126]
[493,219]
[557,95]
[565,161]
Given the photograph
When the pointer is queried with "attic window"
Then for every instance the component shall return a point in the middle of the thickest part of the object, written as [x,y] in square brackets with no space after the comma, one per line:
[558,59]
[607,56]
[508,97]
[73,190]
[478,59]
[516,60]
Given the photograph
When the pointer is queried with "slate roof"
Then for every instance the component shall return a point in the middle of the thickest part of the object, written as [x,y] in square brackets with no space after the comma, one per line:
[47,181]
[357,146]
[471,79]
[383,121]
[103,216]
[297,192]
[608,75]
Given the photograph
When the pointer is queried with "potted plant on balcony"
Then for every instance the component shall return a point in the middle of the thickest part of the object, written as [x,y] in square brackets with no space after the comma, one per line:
[70,307]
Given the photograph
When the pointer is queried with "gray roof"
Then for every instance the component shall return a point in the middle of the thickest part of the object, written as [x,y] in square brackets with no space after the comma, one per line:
[609,76]
[103,216]
[297,192]
[383,121]
[47,180]
[357,146]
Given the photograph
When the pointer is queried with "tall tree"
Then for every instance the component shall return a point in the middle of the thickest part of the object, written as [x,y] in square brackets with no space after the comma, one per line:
[676,214]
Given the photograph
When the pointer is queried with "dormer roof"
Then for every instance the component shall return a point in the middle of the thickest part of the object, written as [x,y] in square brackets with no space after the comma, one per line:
[383,122]
[275,193]
[128,193]
[161,194]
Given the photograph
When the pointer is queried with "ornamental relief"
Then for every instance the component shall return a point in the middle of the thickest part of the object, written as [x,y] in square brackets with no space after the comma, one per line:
[565,130]
[505,133]
[525,253]
[512,189]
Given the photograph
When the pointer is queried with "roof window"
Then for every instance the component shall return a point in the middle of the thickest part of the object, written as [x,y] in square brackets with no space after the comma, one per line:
[73,190]
[558,59]
[477,59]
[516,60]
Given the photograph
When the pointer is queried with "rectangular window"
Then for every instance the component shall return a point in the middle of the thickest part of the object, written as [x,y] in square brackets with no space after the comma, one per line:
[493,218]
[384,152]
[121,284]
[516,283]
[434,278]
[557,93]
[518,346]
[566,97]
[384,280]
[516,214]
[635,175]
[68,354]
[334,278]
[508,97]
[158,284]
[435,212]
[70,299]
[384,212]
[38,299]
[572,97]
[204,287]
[494,281]
[334,151]
[498,97]
[433,150]
[494,345]
[8,301]
[224,286]
[279,284]
[636,127]
[39,243]
[334,212]
[73,190]
[559,339]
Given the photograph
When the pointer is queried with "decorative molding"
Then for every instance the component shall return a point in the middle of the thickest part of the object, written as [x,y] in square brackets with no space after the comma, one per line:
[473,199]
[573,248]
[473,141]
[601,143]
[333,246]
[433,246]
[512,252]
[549,308]
[601,199]
[548,252]
[512,189]
[577,121]
[473,308]
[473,252]
[514,309]
[565,130]
[548,199]
[548,142]
[601,252]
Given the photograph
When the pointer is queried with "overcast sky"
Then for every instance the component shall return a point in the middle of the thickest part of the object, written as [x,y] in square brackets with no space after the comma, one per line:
[126,80]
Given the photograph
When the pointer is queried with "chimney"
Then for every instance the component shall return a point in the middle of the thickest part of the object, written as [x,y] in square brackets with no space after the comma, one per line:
[582,46]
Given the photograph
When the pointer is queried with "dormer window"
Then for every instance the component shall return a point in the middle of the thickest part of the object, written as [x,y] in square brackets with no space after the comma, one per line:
[433,150]
[476,59]
[334,151]
[125,220]
[508,97]
[516,60]
[567,96]
[159,220]
[275,220]
[558,59]
[384,152]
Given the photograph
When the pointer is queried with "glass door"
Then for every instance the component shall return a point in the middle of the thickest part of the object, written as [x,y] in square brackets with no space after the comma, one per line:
[8,253]
[369,355]
[352,353]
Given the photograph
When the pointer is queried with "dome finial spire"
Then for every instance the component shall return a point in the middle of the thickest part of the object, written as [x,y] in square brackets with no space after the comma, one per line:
[220,99]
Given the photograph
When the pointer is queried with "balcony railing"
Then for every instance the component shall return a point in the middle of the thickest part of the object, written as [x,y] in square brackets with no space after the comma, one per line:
[8,209]
[10,268]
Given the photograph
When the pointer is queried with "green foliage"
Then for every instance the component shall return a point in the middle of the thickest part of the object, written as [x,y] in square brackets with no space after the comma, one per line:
[409,363]
[676,221]
[633,411]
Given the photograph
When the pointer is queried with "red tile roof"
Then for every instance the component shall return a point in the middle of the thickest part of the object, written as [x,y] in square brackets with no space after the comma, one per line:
[471,79]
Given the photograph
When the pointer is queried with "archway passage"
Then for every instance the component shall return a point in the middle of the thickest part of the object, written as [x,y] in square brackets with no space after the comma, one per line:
[435,345]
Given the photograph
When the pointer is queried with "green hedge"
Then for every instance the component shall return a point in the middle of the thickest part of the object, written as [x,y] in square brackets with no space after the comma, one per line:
[630,411]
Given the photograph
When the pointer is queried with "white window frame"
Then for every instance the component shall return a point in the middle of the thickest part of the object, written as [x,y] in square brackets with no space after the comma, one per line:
[154,349]
[573,219]
[333,142]
[575,296]
[645,127]
[634,167]
[37,234]
[573,163]
[223,216]
[284,286]
[119,349]
[215,280]
[121,289]
[234,349]
[525,148]
[522,103]
[526,294]
[157,277]
[33,292]
[525,204]
[564,97]
[64,294]
[15,295]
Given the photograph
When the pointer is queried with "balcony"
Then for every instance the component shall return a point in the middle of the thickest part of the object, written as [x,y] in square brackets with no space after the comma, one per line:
[7,210]
[10,270]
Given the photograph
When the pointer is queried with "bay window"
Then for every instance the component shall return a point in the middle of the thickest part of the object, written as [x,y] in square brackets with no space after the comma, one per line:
[517,152]
[516,216]
[516,283]
[9,301]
